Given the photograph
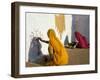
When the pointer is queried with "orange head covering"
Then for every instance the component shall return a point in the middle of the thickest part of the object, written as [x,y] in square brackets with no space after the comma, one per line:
[60,54]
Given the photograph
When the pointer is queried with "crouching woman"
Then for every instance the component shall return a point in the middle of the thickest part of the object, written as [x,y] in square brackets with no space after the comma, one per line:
[57,52]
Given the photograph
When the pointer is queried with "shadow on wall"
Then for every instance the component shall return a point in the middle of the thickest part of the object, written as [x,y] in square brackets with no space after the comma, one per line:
[80,23]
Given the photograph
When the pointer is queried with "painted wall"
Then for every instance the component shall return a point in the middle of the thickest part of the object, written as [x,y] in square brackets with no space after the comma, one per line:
[37,25]
[80,24]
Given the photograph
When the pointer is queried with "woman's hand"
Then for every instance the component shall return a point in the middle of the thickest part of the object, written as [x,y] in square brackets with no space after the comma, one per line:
[43,40]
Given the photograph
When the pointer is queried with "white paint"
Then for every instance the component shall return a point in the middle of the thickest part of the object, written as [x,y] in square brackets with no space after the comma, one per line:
[68,24]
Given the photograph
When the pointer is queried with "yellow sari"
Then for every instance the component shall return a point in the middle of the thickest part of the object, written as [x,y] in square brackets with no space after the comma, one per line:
[56,48]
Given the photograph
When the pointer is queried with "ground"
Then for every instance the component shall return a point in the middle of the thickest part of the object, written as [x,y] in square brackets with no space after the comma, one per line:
[77,56]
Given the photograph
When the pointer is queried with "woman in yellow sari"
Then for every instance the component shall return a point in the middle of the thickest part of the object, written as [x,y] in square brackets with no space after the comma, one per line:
[56,50]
